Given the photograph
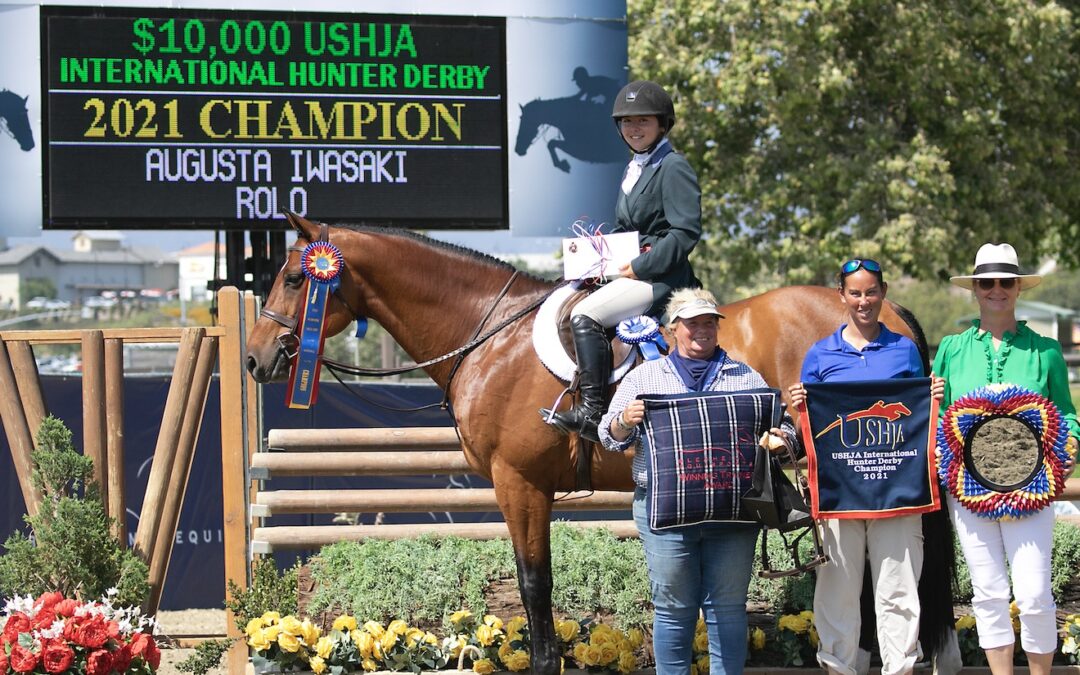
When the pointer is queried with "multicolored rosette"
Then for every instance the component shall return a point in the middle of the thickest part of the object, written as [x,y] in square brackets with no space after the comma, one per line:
[322,263]
[644,332]
[997,400]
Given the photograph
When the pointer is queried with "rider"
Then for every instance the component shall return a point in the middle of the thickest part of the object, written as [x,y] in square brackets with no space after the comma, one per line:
[595,88]
[661,200]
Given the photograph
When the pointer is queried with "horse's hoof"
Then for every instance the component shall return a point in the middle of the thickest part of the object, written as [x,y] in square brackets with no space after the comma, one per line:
[563,166]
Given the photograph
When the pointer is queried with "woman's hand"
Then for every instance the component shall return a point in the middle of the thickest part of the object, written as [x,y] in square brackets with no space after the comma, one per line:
[631,416]
[937,387]
[774,441]
[1070,447]
[797,392]
[627,271]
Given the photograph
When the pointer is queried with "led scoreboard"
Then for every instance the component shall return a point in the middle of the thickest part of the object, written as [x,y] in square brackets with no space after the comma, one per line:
[208,118]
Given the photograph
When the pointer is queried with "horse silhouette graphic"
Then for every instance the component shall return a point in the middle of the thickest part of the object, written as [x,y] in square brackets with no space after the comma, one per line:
[580,125]
[14,120]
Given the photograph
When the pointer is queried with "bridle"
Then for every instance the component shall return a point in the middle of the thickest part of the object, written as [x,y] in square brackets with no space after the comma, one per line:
[289,341]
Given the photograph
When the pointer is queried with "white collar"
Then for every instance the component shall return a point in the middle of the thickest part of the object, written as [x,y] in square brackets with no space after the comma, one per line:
[643,158]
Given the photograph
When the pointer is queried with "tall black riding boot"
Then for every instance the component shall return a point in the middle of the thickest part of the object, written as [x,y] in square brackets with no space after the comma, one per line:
[594,368]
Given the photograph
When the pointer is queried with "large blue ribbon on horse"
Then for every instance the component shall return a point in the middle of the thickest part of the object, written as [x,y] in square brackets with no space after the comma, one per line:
[701,449]
[321,262]
[869,447]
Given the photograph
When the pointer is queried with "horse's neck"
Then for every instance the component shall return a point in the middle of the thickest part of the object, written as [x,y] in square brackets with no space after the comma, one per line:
[431,299]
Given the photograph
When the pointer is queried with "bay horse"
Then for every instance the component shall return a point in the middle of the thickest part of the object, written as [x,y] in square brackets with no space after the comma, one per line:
[586,128]
[433,297]
[16,119]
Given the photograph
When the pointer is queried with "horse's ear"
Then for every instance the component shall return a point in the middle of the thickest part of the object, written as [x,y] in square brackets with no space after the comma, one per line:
[26,99]
[522,107]
[304,228]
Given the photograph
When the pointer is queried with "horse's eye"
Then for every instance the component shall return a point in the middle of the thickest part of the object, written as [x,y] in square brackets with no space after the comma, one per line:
[294,280]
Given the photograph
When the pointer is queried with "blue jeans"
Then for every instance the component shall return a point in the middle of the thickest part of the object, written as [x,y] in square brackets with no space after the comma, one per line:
[692,568]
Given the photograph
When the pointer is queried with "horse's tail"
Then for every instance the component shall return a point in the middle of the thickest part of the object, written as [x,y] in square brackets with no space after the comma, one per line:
[939,555]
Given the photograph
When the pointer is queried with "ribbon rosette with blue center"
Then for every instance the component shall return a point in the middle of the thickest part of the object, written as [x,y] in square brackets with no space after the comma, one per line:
[321,262]
[644,332]
[965,415]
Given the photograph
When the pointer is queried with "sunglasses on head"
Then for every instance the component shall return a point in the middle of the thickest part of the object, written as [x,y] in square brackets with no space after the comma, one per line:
[852,266]
[986,284]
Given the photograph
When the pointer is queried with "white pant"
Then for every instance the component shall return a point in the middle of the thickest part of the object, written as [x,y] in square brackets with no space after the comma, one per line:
[1026,543]
[894,547]
[616,300]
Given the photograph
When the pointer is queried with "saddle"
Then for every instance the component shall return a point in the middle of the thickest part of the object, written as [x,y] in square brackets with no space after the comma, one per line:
[553,341]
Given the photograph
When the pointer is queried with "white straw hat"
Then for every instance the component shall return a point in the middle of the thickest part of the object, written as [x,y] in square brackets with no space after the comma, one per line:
[996,261]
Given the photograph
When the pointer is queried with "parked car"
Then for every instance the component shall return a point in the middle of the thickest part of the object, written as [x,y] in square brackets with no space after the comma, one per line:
[57,304]
[36,303]
[99,302]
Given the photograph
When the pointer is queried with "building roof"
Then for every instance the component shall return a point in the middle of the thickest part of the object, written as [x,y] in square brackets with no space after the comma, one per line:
[100,235]
[133,255]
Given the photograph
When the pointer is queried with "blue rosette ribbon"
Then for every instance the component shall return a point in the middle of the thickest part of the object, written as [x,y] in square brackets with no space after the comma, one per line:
[321,262]
[643,331]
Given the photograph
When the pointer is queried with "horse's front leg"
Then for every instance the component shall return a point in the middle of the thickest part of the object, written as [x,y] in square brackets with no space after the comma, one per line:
[527,511]
[559,162]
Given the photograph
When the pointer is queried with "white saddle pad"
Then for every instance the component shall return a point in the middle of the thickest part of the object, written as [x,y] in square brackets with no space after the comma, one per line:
[549,347]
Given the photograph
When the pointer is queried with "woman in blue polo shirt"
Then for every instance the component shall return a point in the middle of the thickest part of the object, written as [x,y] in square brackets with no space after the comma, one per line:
[864,349]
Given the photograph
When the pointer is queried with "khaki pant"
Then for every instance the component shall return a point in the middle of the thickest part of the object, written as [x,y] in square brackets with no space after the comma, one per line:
[894,547]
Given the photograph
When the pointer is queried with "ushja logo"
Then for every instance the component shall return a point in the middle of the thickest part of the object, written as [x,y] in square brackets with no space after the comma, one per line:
[890,412]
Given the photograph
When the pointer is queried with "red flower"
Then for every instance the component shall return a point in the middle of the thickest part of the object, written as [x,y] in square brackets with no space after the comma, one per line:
[92,634]
[16,623]
[122,659]
[22,659]
[3,660]
[44,618]
[49,600]
[100,662]
[57,657]
[143,645]
[66,608]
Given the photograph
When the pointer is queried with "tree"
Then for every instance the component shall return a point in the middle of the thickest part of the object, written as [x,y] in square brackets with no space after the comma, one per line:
[909,132]
[34,287]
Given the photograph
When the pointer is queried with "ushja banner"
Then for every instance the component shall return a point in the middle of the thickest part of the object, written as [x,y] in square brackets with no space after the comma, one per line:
[869,446]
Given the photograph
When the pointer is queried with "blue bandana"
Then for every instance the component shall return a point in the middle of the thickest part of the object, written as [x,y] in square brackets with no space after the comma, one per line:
[697,374]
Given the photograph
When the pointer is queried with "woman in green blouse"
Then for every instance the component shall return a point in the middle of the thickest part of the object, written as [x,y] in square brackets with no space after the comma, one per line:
[999,349]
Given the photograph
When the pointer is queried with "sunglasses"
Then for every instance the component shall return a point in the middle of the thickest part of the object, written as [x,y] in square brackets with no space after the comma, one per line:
[987,284]
[852,266]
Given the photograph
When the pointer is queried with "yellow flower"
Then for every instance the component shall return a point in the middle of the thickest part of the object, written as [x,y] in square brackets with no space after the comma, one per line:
[272,632]
[485,635]
[627,662]
[271,617]
[364,642]
[636,637]
[608,653]
[1069,646]
[414,636]
[288,642]
[700,627]
[309,632]
[323,647]
[516,624]
[567,630]
[398,626]
[387,641]
[592,655]
[703,664]
[369,665]
[345,623]
[794,623]
[812,633]
[965,622]
[459,616]
[694,669]
[580,650]
[290,625]
[483,666]
[375,628]
[317,665]
[254,626]
[1014,610]
[258,641]
[517,660]
[757,639]
[493,621]
[701,642]
[430,638]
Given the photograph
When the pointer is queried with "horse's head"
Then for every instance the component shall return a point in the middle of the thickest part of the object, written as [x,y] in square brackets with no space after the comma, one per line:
[274,339]
[527,128]
[16,118]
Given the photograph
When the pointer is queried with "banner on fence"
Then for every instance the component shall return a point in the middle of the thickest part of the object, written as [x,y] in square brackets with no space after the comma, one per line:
[869,447]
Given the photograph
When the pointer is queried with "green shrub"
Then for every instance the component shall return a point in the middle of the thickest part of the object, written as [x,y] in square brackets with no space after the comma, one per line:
[73,550]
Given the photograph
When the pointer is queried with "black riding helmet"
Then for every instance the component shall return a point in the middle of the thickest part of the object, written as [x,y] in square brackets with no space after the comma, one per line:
[643,98]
